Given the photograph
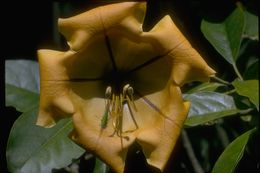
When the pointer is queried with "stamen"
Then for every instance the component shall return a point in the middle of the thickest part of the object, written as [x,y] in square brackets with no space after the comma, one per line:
[108,92]
[132,116]
[104,119]
[130,92]
[117,105]
[121,101]
[125,88]
[114,104]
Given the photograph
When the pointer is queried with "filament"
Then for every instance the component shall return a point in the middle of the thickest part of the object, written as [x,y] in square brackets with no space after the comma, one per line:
[114,104]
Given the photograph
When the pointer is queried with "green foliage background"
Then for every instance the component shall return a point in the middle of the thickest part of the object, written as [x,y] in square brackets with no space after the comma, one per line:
[221,132]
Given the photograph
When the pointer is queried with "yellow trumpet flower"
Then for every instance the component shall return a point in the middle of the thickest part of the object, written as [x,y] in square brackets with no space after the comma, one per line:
[120,84]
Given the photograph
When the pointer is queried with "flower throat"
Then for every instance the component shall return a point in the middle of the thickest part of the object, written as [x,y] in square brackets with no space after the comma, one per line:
[118,94]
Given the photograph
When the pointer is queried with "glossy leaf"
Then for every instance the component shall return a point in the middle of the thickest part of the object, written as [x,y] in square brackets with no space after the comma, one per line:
[209,106]
[231,156]
[212,86]
[22,74]
[250,89]
[33,149]
[20,98]
[22,84]
[226,36]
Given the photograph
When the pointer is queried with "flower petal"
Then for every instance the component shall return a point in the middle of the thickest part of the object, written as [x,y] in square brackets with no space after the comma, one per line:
[89,134]
[54,103]
[79,29]
[107,40]
[130,52]
[54,100]
[161,110]
[90,63]
[159,138]
[51,65]
[164,36]
[188,65]
[60,80]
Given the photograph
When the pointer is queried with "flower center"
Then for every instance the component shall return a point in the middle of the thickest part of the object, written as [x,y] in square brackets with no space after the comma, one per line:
[118,94]
[114,104]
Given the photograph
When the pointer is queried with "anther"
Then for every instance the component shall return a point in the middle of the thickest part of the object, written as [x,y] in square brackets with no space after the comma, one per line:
[125,88]
[130,91]
[108,92]
[114,103]
[130,96]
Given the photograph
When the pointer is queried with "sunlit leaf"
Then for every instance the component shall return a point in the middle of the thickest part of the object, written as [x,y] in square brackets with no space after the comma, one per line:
[212,86]
[226,36]
[231,156]
[32,149]
[22,74]
[250,89]
[251,28]
[209,106]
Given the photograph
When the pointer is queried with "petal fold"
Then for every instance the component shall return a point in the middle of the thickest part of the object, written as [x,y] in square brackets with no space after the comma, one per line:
[164,36]
[52,64]
[160,139]
[79,29]
[188,65]
[54,93]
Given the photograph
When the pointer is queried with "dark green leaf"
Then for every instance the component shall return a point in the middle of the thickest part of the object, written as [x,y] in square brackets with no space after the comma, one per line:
[231,156]
[22,74]
[208,106]
[250,89]
[212,86]
[251,29]
[226,36]
[100,167]
[252,71]
[19,98]
[32,149]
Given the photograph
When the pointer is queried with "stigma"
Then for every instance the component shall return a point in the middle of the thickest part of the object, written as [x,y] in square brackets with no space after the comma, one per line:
[114,104]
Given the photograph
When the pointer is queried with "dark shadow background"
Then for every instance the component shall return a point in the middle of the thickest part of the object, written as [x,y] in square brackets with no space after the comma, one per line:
[30,25]
[25,26]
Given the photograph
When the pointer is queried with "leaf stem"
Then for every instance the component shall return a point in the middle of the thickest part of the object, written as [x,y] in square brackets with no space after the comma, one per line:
[188,147]
[221,80]
[246,111]
[230,92]
[240,5]
[237,72]
[222,135]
